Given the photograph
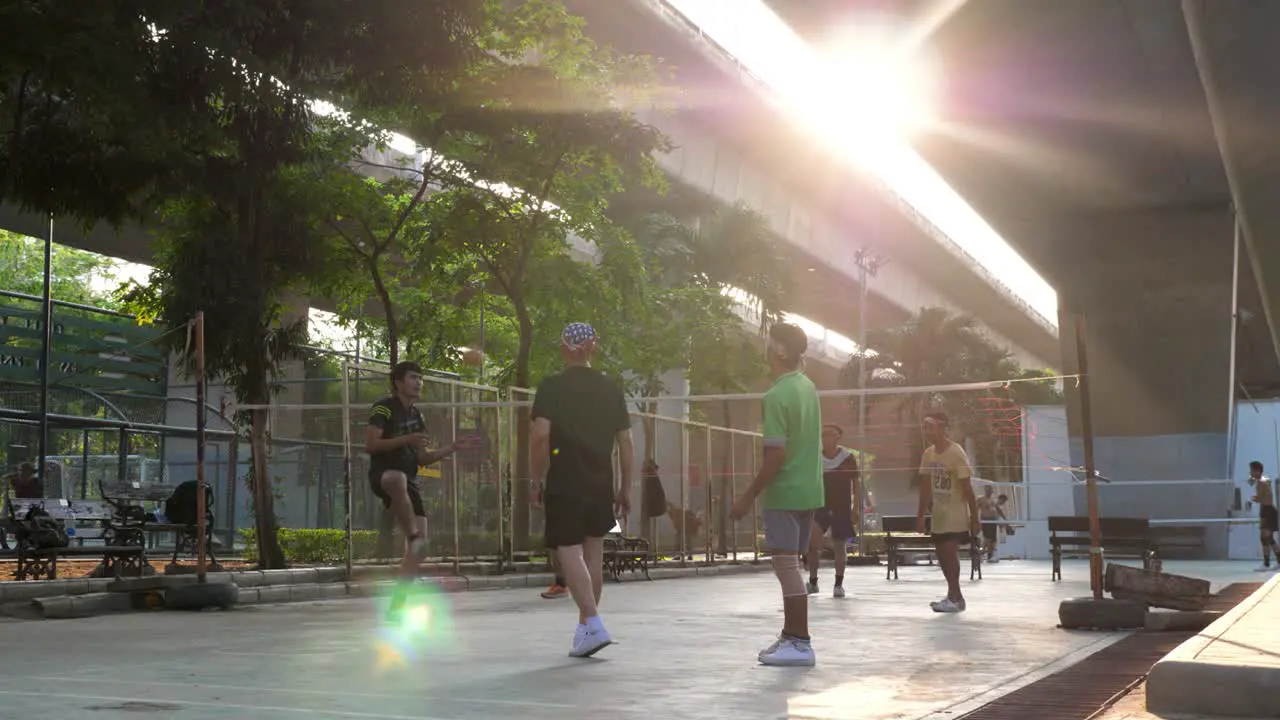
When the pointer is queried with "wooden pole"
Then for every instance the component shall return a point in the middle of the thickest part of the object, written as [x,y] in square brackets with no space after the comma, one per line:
[200,428]
[1090,471]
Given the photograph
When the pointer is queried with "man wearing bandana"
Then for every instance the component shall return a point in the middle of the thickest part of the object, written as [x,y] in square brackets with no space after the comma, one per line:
[579,416]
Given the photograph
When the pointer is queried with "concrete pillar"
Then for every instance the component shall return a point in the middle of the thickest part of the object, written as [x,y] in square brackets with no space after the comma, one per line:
[1156,290]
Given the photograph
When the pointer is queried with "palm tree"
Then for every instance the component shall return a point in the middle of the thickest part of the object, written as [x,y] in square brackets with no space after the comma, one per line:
[937,347]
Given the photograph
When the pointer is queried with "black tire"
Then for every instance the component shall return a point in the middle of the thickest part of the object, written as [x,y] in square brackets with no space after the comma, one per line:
[1105,614]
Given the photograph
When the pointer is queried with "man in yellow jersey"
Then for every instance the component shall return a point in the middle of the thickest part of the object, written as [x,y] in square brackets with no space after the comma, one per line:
[946,491]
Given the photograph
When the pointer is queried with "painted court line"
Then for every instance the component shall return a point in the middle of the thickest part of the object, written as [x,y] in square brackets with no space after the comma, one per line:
[303,691]
[224,706]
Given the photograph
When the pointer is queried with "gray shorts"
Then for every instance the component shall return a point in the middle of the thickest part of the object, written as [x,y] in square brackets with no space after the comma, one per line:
[787,531]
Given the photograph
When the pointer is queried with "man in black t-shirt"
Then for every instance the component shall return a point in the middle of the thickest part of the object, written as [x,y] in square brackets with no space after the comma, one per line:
[396,440]
[579,415]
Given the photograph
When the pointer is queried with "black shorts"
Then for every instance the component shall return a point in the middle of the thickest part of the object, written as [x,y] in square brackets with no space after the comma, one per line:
[990,530]
[415,495]
[1270,518]
[962,538]
[839,523]
[572,518]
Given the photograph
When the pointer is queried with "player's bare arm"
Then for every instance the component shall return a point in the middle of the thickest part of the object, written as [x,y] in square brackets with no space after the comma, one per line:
[626,458]
[925,501]
[540,457]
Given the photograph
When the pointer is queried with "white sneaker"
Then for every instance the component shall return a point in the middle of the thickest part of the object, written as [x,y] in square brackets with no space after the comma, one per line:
[1263,568]
[789,652]
[813,588]
[947,606]
[588,642]
[838,591]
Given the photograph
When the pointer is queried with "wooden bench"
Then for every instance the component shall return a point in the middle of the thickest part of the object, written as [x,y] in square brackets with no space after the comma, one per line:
[123,550]
[626,554]
[1121,537]
[1167,540]
[900,535]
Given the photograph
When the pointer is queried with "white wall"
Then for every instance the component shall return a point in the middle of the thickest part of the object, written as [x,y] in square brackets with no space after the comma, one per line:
[1045,446]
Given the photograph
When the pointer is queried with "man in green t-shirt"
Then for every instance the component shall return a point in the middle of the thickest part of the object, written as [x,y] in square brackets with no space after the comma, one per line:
[790,479]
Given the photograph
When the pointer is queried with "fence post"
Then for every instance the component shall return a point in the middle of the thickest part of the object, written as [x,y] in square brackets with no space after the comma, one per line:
[498,483]
[755,510]
[684,483]
[346,461]
[707,480]
[453,466]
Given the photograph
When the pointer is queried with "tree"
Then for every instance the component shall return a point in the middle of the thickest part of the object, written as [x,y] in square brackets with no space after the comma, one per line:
[539,164]
[937,347]
[241,213]
[74,273]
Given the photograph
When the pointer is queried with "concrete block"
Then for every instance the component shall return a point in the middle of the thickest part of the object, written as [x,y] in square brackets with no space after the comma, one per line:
[201,596]
[332,590]
[99,584]
[65,606]
[74,586]
[273,594]
[300,576]
[1181,621]
[304,592]
[248,578]
[331,574]
[247,595]
[1156,588]
[1229,668]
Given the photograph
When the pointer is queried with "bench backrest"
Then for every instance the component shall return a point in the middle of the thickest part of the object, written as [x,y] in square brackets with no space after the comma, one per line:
[62,509]
[901,524]
[1111,527]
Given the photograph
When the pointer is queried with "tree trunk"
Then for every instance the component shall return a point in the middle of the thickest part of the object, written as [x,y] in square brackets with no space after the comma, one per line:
[520,489]
[388,310]
[270,556]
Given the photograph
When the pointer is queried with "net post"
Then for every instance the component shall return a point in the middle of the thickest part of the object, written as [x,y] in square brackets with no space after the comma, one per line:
[684,484]
[707,481]
[201,521]
[755,509]
[453,467]
[501,485]
[733,493]
[1086,439]
[346,463]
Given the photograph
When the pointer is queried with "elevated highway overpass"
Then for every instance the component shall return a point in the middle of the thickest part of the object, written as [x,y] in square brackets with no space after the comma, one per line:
[1126,148]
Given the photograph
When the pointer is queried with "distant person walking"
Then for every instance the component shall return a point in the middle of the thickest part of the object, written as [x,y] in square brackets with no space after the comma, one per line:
[1268,519]
[835,517]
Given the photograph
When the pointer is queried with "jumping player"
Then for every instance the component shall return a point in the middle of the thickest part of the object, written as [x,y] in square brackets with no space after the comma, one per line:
[840,481]
[1268,521]
[579,415]
[396,441]
[946,490]
[790,479]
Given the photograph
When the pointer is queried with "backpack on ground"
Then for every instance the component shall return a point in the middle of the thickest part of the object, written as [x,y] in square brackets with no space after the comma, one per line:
[38,530]
[180,508]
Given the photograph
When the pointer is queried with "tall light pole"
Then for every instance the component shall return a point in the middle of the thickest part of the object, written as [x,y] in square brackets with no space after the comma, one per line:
[868,265]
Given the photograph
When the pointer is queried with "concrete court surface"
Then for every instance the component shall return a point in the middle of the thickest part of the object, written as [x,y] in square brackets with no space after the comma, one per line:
[686,649]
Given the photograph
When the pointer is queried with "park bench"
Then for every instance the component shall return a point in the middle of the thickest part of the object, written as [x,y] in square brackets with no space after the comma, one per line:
[1121,537]
[124,499]
[900,536]
[1169,541]
[122,550]
[625,554]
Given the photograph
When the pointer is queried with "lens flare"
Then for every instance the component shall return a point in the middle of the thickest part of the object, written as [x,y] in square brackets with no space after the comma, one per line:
[424,623]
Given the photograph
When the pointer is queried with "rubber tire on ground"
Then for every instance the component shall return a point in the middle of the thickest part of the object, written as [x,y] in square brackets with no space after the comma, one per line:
[1086,613]
[198,596]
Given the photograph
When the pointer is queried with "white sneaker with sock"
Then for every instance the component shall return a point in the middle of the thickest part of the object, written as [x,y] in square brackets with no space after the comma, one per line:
[590,638]
[789,652]
[1263,568]
[837,591]
[947,605]
[418,547]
